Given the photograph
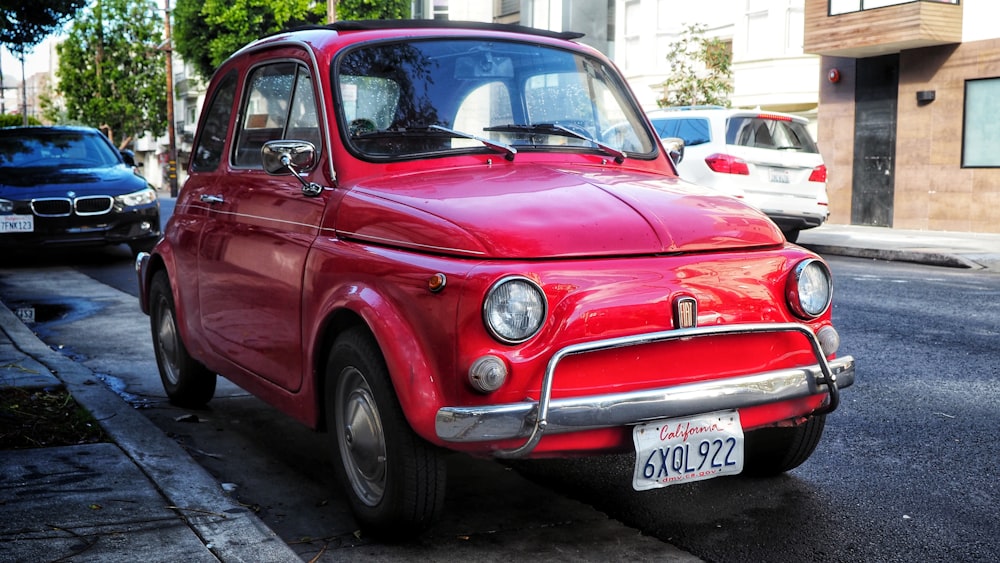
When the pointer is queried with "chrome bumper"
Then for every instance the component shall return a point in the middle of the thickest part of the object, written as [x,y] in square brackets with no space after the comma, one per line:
[530,419]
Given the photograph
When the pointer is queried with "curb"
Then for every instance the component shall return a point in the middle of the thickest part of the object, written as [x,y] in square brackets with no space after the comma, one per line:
[231,531]
[918,257]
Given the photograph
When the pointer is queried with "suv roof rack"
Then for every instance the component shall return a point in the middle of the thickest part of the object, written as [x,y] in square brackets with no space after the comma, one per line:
[686,108]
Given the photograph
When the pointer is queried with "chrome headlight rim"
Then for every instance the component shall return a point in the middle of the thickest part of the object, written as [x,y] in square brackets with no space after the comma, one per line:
[809,289]
[536,325]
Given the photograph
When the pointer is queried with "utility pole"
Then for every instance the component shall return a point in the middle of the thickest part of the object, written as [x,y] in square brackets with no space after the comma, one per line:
[171,135]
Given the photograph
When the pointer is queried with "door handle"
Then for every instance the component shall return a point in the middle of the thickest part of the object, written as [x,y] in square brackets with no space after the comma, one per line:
[212,198]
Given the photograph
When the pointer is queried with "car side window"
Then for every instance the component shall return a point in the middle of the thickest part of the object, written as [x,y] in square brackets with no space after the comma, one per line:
[279,104]
[208,153]
[693,131]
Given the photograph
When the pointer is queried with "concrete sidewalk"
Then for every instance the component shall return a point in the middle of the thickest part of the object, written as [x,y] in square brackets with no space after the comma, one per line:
[144,498]
[979,251]
[140,498]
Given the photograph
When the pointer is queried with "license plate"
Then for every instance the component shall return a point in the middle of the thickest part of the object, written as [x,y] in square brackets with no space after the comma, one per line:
[779,176]
[17,223]
[684,450]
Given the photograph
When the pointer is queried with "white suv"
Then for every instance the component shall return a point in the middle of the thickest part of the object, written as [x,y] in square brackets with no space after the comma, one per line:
[765,157]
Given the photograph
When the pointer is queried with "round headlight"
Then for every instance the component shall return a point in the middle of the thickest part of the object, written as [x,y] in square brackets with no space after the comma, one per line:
[809,289]
[514,310]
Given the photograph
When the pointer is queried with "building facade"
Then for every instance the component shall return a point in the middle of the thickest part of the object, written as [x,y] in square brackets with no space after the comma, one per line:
[908,123]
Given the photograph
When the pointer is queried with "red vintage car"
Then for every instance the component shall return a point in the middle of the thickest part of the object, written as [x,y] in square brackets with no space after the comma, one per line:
[421,236]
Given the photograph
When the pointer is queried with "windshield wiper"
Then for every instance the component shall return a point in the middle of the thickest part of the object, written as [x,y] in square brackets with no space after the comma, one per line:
[508,150]
[556,129]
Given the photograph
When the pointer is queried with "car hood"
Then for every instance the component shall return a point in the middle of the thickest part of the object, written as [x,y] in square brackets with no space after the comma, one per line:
[22,183]
[536,211]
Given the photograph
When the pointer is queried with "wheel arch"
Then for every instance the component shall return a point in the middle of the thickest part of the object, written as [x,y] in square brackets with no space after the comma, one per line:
[410,371]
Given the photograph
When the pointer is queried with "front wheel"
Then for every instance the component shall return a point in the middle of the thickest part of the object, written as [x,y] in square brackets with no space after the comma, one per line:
[772,451]
[186,381]
[395,480]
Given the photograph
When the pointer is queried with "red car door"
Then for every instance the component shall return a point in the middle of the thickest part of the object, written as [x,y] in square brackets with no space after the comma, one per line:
[253,250]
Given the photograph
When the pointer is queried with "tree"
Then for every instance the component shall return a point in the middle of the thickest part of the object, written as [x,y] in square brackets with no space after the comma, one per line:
[26,23]
[206,32]
[700,70]
[373,9]
[111,72]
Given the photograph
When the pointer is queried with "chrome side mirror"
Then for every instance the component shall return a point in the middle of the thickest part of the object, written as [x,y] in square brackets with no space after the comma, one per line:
[675,148]
[290,157]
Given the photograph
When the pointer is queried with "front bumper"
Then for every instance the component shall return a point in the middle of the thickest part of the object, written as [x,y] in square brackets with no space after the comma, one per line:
[531,419]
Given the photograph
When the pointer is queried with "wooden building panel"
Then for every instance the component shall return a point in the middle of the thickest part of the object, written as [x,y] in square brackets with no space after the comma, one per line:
[880,31]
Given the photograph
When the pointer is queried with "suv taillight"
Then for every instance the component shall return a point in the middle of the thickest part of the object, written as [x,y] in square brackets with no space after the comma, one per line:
[818,174]
[727,164]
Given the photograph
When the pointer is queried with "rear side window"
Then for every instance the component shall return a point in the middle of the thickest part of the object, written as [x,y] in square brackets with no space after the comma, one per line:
[208,153]
[769,132]
[694,131]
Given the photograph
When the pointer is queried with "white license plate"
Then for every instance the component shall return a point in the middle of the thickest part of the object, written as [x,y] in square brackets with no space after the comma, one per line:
[684,450]
[17,223]
[779,176]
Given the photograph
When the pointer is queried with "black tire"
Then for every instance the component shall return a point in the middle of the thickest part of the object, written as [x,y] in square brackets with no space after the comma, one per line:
[187,382]
[395,480]
[772,451]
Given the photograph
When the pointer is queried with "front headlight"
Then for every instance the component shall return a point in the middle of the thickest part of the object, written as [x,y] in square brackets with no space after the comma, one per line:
[141,197]
[514,309]
[6,206]
[809,289]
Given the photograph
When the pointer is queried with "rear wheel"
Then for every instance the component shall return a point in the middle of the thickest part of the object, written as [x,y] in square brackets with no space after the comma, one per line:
[186,381]
[394,479]
[772,451]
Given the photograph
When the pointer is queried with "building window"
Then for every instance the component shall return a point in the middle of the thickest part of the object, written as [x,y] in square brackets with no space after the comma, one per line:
[981,130]
[838,7]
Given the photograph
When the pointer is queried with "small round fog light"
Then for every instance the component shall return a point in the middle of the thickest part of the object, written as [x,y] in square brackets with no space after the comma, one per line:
[487,374]
[145,225]
[829,340]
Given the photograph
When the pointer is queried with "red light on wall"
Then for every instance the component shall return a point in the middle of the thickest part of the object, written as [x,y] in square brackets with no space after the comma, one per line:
[833,76]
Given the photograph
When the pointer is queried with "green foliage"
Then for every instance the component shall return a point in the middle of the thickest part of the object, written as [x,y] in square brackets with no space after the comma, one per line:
[12,120]
[111,73]
[26,23]
[700,70]
[373,9]
[206,33]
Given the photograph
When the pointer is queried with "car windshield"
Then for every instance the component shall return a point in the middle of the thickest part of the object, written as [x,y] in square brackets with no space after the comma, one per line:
[413,99]
[54,149]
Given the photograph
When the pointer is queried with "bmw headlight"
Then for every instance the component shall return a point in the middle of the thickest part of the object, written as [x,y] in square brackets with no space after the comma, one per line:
[141,197]
[6,206]
[809,289]
[514,309]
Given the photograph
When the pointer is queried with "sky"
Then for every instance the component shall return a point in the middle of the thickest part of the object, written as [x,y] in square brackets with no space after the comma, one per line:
[36,61]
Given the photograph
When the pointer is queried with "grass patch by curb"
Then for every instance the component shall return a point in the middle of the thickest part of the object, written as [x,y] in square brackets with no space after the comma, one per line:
[42,418]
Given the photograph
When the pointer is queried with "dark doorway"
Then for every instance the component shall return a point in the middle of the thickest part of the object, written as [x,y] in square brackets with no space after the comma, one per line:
[875,141]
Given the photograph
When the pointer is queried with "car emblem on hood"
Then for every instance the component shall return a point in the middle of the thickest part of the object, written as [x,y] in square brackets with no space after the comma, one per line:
[685,312]
[70,194]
